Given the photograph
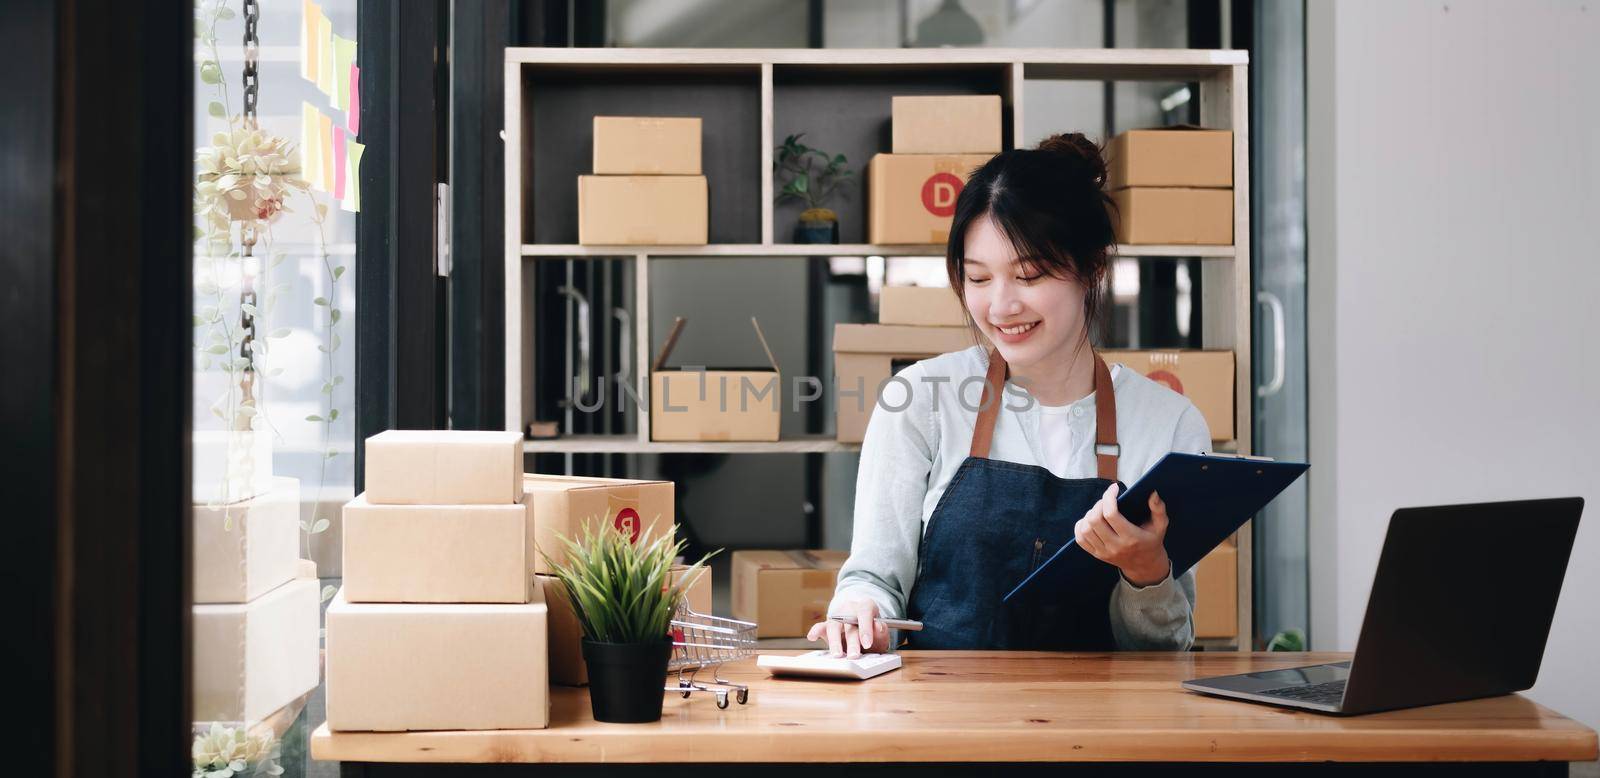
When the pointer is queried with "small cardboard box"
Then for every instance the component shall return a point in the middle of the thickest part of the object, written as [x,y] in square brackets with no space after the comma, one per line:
[647,145]
[784,592]
[1174,215]
[397,667]
[251,659]
[866,355]
[714,403]
[567,667]
[444,467]
[562,504]
[243,550]
[1173,156]
[438,553]
[642,210]
[922,306]
[230,466]
[912,197]
[1205,377]
[1216,582]
[953,124]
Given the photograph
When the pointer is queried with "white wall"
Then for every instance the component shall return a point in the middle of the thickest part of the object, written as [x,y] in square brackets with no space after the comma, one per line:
[1454,288]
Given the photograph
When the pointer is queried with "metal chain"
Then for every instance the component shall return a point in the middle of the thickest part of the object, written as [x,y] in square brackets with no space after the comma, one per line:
[247,229]
[252,41]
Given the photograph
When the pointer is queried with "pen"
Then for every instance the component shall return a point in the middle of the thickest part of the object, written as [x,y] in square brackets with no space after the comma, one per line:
[905,624]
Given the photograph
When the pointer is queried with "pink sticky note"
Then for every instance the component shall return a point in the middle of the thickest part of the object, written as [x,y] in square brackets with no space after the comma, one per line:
[353,115]
[338,163]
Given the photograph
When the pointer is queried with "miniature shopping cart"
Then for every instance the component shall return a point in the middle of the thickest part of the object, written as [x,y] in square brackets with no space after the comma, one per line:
[700,641]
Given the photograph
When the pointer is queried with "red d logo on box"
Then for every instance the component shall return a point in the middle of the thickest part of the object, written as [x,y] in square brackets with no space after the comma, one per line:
[1165,377]
[939,194]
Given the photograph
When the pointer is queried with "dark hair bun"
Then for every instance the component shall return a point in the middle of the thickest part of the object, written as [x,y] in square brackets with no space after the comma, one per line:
[1081,155]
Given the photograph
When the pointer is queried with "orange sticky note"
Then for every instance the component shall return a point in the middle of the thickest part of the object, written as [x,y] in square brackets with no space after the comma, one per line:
[310,55]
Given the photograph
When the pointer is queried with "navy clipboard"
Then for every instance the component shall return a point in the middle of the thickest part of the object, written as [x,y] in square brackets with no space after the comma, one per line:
[1208,497]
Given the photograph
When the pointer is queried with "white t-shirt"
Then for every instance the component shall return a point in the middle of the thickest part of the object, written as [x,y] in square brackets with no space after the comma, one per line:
[1055,430]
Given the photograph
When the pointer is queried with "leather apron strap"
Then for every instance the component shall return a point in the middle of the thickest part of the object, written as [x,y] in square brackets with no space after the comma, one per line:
[1106,448]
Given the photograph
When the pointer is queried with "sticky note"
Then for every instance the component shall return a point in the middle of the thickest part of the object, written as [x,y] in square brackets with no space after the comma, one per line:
[338,162]
[325,77]
[344,55]
[325,151]
[310,148]
[310,56]
[352,118]
[352,190]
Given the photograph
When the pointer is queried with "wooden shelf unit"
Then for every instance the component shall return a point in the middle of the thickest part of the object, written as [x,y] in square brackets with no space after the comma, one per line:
[750,99]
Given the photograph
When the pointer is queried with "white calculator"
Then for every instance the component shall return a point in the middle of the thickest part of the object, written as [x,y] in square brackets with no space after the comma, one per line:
[817,664]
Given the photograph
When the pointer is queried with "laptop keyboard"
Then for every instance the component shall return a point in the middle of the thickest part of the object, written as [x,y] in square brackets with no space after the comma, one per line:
[1330,692]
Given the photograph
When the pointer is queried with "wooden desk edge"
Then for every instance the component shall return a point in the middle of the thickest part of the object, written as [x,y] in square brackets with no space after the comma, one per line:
[1080,745]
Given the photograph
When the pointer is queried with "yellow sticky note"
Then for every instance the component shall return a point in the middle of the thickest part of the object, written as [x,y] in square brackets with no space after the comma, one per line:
[352,177]
[344,53]
[310,57]
[325,77]
[325,150]
[310,147]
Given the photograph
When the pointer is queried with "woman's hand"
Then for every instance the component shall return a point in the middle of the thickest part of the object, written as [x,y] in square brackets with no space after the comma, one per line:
[848,640]
[1138,551]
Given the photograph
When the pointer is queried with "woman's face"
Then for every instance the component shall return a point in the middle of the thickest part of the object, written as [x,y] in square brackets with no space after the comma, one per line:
[1030,317]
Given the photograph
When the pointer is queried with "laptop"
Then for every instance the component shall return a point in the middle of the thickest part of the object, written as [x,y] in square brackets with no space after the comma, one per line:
[1460,609]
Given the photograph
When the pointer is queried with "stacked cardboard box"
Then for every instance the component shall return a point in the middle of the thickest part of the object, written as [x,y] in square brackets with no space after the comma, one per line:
[1205,377]
[914,323]
[563,506]
[439,624]
[716,403]
[937,142]
[1172,185]
[255,612]
[647,187]
[784,592]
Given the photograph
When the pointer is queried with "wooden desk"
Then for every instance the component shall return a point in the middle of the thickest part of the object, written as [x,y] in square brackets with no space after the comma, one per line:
[985,707]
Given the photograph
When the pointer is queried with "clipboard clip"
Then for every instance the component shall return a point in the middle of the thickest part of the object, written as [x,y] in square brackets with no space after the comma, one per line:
[1244,457]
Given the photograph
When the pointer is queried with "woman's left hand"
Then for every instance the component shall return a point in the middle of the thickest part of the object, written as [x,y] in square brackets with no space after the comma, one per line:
[1138,551]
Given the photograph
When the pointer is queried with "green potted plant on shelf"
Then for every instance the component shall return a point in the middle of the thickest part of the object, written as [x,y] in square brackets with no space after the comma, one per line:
[812,177]
[623,597]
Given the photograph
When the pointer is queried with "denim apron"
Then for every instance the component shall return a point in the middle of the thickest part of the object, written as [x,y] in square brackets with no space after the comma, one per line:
[995,523]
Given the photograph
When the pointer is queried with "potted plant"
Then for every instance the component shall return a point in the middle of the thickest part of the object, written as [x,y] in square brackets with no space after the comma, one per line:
[813,176]
[623,597]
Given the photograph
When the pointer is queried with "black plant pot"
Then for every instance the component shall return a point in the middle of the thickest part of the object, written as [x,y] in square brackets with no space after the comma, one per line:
[626,680]
[816,232]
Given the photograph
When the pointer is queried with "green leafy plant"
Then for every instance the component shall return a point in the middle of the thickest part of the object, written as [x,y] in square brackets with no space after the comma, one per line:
[621,591]
[813,177]
[1292,639]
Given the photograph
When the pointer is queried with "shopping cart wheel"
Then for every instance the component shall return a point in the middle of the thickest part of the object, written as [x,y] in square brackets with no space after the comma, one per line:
[722,700]
[685,694]
[743,696]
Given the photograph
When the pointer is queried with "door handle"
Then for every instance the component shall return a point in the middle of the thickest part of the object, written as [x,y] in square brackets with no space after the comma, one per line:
[1279,341]
[583,342]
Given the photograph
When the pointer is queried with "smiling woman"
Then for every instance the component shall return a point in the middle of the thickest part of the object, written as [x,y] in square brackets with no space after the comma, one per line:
[960,498]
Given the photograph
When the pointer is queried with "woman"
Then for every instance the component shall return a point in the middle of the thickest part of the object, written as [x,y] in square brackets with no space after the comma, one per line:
[956,505]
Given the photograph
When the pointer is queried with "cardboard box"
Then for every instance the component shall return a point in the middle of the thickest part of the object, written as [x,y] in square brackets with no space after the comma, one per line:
[251,659]
[911,197]
[954,124]
[784,592]
[567,667]
[647,145]
[1216,582]
[642,210]
[866,355]
[563,504]
[714,403]
[1173,156]
[923,306]
[1205,377]
[243,550]
[438,553]
[444,467]
[396,667]
[230,466]
[1172,215]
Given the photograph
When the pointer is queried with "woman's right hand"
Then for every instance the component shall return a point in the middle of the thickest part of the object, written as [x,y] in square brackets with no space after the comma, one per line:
[848,640]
